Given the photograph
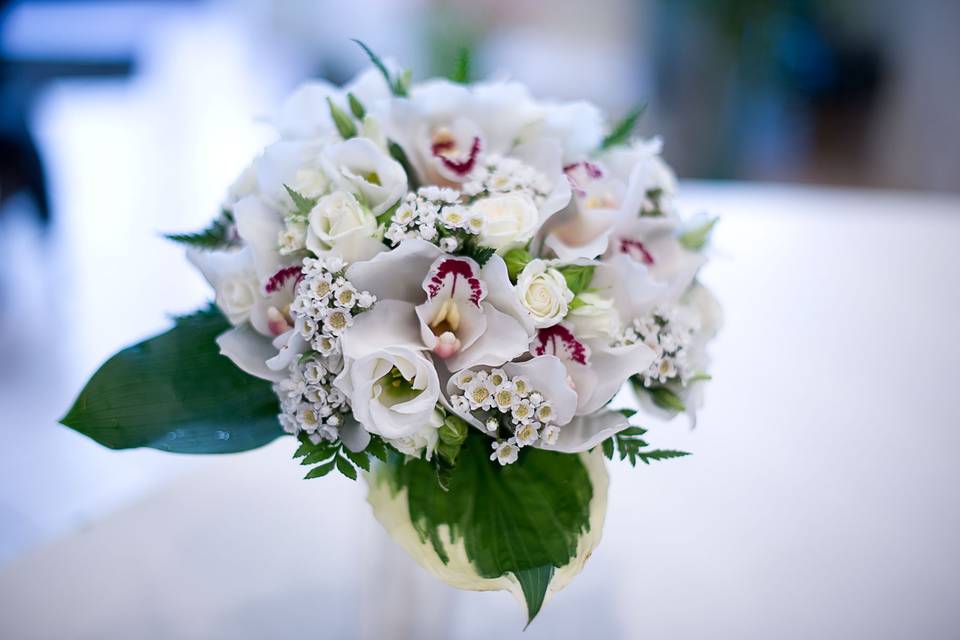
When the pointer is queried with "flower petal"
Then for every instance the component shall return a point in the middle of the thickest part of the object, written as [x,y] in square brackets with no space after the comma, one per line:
[396,274]
[548,376]
[585,432]
[249,351]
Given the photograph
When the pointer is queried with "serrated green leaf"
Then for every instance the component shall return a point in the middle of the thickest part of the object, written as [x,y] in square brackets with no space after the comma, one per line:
[319,454]
[347,469]
[356,107]
[176,392]
[660,454]
[621,132]
[524,518]
[359,458]
[218,235]
[343,122]
[321,470]
[377,448]
[479,253]
[461,72]
[696,239]
[627,413]
[632,431]
[302,205]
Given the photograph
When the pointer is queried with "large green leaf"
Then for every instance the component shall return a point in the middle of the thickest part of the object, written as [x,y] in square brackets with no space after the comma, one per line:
[526,518]
[175,392]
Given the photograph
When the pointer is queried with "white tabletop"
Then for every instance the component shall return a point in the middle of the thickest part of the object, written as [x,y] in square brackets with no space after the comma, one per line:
[822,499]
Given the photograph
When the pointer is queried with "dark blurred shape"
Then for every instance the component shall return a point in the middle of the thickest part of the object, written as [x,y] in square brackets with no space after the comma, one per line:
[769,90]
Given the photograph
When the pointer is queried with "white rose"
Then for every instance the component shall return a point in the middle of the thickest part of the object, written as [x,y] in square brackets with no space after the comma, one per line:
[543,293]
[595,317]
[236,296]
[423,441]
[233,278]
[393,391]
[338,222]
[508,220]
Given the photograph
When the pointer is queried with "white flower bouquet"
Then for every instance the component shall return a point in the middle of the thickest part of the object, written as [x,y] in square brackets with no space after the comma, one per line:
[443,285]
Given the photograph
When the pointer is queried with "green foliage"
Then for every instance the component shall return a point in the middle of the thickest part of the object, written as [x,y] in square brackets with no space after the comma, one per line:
[620,134]
[451,437]
[329,455]
[697,238]
[630,445]
[525,518]
[175,392]
[578,276]
[461,73]
[301,204]
[665,398]
[400,85]
[478,252]
[398,154]
[342,120]
[356,107]
[516,260]
[219,235]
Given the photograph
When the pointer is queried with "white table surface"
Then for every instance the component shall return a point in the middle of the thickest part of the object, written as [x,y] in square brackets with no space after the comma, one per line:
[822,499]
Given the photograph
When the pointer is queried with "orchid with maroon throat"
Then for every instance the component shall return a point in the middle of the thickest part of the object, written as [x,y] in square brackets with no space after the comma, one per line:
[444,285]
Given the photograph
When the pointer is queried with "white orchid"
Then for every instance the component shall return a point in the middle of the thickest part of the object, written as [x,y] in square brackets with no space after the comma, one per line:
[451,298]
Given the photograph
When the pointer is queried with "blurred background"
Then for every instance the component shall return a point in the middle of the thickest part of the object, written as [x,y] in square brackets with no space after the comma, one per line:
[120,120]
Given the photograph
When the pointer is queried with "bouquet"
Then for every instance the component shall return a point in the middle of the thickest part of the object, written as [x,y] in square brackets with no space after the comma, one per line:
[442,285]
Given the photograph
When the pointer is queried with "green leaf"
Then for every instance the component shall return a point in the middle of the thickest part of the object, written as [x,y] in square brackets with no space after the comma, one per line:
[399,86]
[218,235]
[665,398]
[516,260]
[175,392]
[660,454]
[578,276]
[461,73]
[321,470]
[526,518]
[342,120]
[398,154]
[356,107]
[608,448]
[385,217]
[377,448]
[621,132]
[534,583]
[301,204]
[344,467]
[359,458]
[478,252]
[696,239]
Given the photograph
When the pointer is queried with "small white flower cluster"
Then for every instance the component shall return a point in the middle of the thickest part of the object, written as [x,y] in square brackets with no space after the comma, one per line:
[500,401]
[669,333]
[434,214]
[324,307]
[496,174]
[325,304]
[309,402]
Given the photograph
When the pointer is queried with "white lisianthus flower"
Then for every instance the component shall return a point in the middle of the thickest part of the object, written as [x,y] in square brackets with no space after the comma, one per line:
[543,293]
[423,441]
[392,386]
[339,223]
[595,317]
[508,221]
[360,166]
